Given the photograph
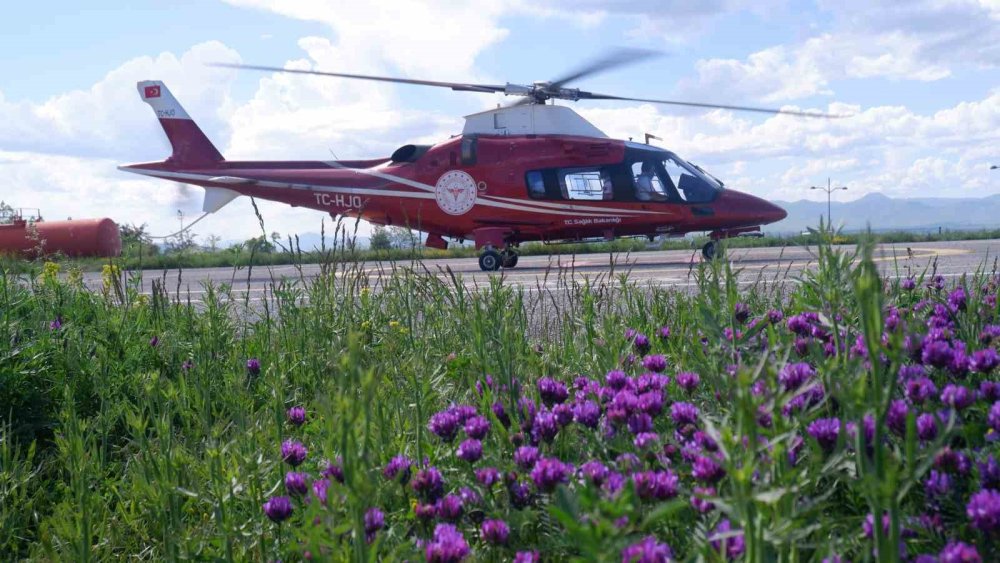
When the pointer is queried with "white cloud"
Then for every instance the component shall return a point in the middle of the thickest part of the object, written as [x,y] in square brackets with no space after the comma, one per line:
[108,120]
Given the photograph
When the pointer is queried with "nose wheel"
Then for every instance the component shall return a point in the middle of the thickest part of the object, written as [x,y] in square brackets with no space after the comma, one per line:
[710,250]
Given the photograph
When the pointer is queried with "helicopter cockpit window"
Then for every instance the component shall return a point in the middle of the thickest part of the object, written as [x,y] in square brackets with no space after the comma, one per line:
[585,184]
[692,185]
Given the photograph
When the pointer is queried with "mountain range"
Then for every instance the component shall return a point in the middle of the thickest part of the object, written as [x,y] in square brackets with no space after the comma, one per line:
[885,213]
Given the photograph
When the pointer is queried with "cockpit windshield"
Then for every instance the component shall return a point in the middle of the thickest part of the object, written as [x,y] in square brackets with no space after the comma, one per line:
[663,176]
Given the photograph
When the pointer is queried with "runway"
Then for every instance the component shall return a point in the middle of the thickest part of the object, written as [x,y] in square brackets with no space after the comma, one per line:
[674,268]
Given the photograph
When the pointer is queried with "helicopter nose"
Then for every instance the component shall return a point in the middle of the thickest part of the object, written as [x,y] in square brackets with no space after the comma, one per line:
[749,210]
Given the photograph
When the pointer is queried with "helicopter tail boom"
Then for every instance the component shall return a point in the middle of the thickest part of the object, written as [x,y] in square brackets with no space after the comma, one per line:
[190,145]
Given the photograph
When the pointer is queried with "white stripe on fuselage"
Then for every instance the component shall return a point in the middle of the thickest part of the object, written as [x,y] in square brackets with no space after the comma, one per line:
[383,192]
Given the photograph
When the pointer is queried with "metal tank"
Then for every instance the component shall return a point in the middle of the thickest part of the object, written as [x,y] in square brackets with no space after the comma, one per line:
[77,238]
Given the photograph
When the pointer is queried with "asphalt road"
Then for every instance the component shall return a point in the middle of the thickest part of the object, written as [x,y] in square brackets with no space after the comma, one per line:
[672,268]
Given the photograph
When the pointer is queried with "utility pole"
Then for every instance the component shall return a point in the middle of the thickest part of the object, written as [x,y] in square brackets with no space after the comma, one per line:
[829,191]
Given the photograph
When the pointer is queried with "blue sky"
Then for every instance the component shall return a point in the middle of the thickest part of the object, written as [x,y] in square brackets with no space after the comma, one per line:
[922,76]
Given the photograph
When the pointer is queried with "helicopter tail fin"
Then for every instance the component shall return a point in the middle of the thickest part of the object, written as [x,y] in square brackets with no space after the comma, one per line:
[190,145]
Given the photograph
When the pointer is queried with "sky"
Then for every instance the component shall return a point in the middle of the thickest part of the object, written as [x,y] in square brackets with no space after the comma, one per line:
[921,78]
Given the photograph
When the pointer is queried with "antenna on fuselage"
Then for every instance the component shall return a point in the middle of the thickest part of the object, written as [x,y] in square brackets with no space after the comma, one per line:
[651,136]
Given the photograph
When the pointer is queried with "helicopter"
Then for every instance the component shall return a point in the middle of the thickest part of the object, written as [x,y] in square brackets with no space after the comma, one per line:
[525,171]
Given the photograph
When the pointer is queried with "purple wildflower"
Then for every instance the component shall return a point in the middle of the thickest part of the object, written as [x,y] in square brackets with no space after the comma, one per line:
[984,361]
[688,381]
[825,431]
[927,427]
[647,551]
[447,545]
[563,413]
[895,418]
[278,509]
[293,452]
[658,485]
[450,508]
[958,552]
[319,488]
[470,450]
[374,521]
[527,557]
[545,426]
[488,476]
[723,540]
[56,323]
[919,389]
[428,484]
[477,427]
[425,511]
[501,414]
[937,353]
[639,423]
[994,417]
[616,379]
[253,366]
[989,473]
[983,510]
[792,376]
[595,472]
[706,470]
[520,495]
[444,424]
[684,413]
[586,413]
[645,440]
[642,344]
[655,363]
[549,472]
[957,300]
[937,484]
[775,316]
[335,470]
[296,416]
[526,457]
[989,391]
[495,532]
[663,332]
[989,334]
[154,341]
[398,467]
[701,504]
[552,391]
[957,396]
[296,483]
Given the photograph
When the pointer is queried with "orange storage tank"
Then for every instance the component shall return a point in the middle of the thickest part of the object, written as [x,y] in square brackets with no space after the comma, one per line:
[82,237]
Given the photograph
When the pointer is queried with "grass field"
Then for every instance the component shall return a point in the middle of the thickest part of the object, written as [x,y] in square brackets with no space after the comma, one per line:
[842,418]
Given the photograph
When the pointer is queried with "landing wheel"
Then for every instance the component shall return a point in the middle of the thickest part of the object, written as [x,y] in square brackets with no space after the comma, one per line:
[509,258]
[710,250]
[489,261]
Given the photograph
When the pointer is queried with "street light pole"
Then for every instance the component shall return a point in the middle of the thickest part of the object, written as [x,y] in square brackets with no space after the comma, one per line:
[829,191]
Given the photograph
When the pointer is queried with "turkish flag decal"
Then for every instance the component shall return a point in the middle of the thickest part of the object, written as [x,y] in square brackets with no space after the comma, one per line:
[152,92]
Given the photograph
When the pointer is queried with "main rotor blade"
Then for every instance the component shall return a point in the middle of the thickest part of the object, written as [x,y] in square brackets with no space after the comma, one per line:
[458,86]
[593,96]
[616,58]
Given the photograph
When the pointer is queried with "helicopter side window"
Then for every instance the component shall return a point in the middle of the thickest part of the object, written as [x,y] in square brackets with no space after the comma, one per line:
[584,184]
[536,184]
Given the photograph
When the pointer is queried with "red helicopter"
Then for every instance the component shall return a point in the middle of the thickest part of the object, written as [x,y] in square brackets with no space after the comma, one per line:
[530,171]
